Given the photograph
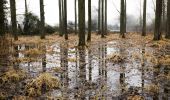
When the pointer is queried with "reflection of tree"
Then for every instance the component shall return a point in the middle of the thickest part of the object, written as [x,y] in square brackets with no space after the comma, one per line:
[143,65]
[166,83]
[122,73]
[155,81]
[82,74]
[102,69]
[16,55]
[44,60]
[64,65]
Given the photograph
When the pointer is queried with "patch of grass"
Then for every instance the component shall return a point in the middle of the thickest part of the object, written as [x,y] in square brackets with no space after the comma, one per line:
[152,88]
[34,88]
[116,58]
[34,52]
[58,69]
[165,60]
[12,76]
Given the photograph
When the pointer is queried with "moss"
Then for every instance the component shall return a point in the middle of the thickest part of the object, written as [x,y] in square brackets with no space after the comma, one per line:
[34,88]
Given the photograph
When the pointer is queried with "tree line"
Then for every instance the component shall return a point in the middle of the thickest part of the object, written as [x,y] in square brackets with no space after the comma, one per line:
[80,19]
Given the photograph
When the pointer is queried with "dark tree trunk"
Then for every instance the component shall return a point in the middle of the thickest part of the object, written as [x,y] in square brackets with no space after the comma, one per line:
[99,10]
[102,35]
[42,17]
[65,20]
[2,18]
[89,21]
[144,19]
[158,16]
[122,19]
[13,18]
[125,16]
[105,17]
[168,20]
[81,6]
[75,16]
[60,17]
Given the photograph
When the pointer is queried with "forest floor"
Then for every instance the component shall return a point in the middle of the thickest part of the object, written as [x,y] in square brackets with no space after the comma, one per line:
[111,68]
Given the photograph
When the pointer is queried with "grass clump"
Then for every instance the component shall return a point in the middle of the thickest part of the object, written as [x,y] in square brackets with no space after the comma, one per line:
[35,87]
[116,58]
[34,52]
[165,60]
[152,88]
[12,76]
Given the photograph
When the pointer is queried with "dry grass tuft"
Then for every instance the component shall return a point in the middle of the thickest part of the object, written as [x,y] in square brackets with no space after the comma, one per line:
[34,88]
[115,58]
[12,76]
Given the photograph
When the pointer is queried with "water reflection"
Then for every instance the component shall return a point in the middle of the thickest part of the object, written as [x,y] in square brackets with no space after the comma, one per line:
[86,74]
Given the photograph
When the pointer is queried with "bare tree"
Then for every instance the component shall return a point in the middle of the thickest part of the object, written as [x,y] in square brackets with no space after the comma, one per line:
[65,20]
[60,17]
[105,17]
[144,19]
[2,18]
[13,18]
[168,20]
[102,19]
[75,16]
[89,21]
[81,6]
[122,19]
[99,10]
[158,16]
[42,18]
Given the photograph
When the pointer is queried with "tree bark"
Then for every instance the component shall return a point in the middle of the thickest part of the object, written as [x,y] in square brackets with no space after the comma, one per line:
[60,17]
[2,18]
[158,16]
[125,17]
[13,18]
[144,19]
[99,10]
[42,18]
[122,19]
[89,21]
[168,20]
[105,17]
[75,16]
[65,20]
[81,6]
[102,34]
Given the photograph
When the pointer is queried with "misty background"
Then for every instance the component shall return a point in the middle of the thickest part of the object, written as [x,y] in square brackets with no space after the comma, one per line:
[134,11]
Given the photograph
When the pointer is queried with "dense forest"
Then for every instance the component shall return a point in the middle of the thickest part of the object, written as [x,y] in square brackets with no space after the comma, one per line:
[86,59]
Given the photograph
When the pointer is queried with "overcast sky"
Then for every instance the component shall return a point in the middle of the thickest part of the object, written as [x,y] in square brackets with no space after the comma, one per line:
[51,9]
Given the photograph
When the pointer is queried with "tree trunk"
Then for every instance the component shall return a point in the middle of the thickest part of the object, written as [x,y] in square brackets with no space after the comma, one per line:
[75,16]
[99,10]
[102,35]
[158,15]
[81,6]
[168,20]
[89,21]
[2,18]
[60,17]
[105,17]
[13,18]
[122,19]
[65,20]
[144,19]
[42,17]
[125,17]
